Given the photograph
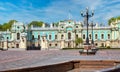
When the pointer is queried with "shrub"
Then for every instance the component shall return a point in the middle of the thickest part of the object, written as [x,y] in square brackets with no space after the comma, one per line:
[108,47]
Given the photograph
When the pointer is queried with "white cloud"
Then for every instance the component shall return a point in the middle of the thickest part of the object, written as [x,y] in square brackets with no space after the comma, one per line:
[58,10]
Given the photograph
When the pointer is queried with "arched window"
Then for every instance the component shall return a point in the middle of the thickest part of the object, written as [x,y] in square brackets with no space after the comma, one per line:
[49,37]
[102,36]
[50,45]
[90,36]
[69,35]
[32,37]
[83,36]
[76,35]
[102,44]
[62,36]
[55,36]
[38,37]
[55,44]
[18,36]
[108,36]
[96,36]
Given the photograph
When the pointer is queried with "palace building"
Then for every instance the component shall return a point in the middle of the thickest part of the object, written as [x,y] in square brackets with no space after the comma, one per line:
[61,36]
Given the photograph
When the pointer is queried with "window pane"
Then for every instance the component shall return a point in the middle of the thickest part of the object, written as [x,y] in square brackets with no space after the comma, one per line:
[50,37]
[108,36]
[62,36]
[18,36]
[90,36]
[96,36]
[55,36]
[83,36]
[38,37]
[32,37]
[102,36]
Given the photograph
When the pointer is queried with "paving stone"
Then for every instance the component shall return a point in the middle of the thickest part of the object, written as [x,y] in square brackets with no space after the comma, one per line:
[23,59]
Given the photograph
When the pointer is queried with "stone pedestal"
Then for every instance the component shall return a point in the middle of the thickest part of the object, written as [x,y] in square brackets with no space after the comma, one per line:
[87,47]
[93,46]
[87,50]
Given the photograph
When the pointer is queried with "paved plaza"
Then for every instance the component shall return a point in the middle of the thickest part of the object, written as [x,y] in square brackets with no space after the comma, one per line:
[23,59]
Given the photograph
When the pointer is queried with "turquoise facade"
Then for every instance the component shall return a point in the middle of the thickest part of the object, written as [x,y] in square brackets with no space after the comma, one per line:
[63,35]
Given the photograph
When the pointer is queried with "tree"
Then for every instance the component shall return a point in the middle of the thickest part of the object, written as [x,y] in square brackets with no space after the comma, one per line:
[118,17]
[56,24]
[111,20]
[8,25]
[36,23]
[47,25]
[0,27]
[79,41]
[11,22]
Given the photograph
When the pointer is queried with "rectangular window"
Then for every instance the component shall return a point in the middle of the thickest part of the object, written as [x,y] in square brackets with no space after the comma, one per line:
[96,36]
[38,37]
[76,35]
[49,37]
[32,37]
[18,36]
[102,36]
[55,36]
[89,36]
[62,36]
[83,36]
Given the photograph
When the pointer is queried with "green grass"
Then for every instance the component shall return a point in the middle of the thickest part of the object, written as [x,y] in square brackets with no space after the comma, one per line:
[100,48]
[109,48]
[71,48]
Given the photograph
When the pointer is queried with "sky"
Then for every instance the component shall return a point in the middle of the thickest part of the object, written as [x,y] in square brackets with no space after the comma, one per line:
[51,11]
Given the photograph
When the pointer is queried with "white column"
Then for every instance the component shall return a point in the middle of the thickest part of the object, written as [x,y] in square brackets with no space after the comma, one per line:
[44,43]
[5,45]
[62,44]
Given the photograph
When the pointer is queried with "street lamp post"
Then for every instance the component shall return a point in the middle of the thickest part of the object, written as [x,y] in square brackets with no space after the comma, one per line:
[87,16]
